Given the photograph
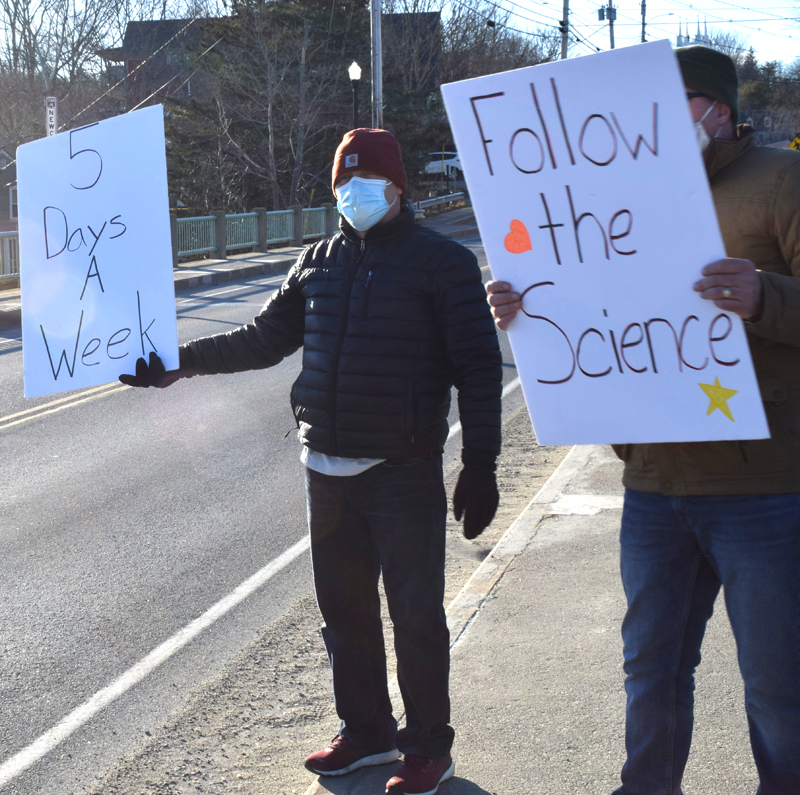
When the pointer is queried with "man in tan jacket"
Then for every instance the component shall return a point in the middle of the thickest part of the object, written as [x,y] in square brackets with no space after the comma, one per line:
[702,515]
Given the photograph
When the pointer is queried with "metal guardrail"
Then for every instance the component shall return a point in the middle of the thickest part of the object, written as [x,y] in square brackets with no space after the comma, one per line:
[280,226]
[242,230]
[197,235]
[9,254]
[451,197]
[314,222]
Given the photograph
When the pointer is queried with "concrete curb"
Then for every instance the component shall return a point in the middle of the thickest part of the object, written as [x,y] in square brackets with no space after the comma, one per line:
[186,278]
[466,606]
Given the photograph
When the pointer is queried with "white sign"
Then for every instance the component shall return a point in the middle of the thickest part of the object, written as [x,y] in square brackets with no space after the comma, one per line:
[592,201]
[51,103]
[95,253]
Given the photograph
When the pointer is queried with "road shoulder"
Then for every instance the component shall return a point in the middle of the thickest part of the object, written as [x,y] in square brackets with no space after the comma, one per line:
[249,729]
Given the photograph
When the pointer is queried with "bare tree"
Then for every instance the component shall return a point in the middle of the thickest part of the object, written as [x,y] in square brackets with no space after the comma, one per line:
[479,39]
[126,11]
[271,85]
[48,40]
[731,42]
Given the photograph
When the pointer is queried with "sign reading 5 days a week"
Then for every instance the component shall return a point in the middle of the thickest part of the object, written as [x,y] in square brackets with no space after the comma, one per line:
[95,253]
[590,193]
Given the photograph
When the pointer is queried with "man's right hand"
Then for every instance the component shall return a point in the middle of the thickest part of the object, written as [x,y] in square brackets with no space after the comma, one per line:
[153,374]
[505,303]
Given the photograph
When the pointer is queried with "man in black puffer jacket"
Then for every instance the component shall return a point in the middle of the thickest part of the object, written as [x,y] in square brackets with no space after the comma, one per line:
[390,316]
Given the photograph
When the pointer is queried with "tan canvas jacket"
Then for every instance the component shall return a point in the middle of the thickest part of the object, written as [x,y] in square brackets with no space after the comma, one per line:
[756,192]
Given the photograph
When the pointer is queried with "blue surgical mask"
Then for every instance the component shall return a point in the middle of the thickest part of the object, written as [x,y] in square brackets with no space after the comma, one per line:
[362,202]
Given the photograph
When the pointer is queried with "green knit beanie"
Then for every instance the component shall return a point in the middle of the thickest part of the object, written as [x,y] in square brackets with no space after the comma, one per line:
[711,73]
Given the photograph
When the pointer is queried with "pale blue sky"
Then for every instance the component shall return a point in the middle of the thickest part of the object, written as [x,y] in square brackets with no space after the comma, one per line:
[772,27]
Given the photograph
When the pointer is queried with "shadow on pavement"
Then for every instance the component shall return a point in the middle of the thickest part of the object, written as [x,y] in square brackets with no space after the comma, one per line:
[372,781]
[462,786]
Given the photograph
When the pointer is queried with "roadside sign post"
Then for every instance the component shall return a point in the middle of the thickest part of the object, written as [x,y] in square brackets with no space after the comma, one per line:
[51,116]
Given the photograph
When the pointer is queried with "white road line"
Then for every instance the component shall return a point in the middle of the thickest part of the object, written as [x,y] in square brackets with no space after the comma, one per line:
[22,760]
[200,302]
[511,386]
[32,753]
[507,390]
[229,290]
[233,290]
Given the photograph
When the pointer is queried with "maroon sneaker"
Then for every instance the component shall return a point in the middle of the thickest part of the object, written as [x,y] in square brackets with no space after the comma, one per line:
[342,756]
[420,775]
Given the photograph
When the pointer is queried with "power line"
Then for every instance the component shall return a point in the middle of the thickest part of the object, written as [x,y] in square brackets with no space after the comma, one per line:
[135,69]
[690,8]
[175,77]
[503,25]
[511,13]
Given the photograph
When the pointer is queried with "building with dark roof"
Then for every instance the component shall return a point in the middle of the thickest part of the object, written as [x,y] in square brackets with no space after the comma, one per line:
[152,63]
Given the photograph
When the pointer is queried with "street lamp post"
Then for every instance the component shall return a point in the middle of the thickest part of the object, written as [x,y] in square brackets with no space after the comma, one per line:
[355,75]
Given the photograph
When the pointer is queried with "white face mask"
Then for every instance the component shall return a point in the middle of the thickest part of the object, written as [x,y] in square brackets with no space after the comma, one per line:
[363,202]
[703,141]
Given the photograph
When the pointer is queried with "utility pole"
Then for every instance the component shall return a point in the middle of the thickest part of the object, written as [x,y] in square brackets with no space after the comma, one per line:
[643,12]
[51,116]
[377,64]
[564,30]
[610,13]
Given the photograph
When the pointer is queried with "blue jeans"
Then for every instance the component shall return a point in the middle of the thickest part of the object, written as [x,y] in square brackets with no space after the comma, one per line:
[676,552]
[389,519]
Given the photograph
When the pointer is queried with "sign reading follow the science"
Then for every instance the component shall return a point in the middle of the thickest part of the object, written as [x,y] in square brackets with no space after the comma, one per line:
[592,200]
[95,253]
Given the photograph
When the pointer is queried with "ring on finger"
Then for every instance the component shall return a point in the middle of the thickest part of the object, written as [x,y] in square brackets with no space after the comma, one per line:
[726,292]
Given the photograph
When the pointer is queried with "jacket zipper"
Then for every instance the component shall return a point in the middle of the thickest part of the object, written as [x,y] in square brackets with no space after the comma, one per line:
[340,342]
[367,287]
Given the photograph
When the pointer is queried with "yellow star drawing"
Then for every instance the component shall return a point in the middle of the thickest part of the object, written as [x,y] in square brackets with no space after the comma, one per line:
[719,396]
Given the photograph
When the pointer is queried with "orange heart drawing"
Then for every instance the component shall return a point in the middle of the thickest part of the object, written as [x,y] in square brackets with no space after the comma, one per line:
[518,240]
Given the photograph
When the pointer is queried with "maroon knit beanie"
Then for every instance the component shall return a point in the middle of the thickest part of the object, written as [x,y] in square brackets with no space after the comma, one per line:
[366,149]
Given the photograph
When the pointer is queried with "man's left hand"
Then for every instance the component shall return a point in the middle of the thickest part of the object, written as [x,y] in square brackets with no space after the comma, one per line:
[476,498]
[733,285]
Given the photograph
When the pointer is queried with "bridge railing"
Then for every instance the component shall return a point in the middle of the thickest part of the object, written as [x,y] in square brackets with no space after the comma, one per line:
[9,254]
[439,200]
[196,235]
[220,233]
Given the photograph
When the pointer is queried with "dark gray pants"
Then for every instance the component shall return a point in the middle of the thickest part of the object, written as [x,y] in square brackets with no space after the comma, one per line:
[389,519]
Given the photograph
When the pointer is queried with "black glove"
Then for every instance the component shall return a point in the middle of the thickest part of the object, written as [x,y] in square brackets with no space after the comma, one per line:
[476,495]
[154,374]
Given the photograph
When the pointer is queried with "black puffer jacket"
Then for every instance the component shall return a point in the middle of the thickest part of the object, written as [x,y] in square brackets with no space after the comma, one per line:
[388,324]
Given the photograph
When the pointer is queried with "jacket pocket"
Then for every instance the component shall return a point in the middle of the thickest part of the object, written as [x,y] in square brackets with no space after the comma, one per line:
[623,451]
[757,456]
[410,413]
[293,402]
[716,458]
[776,453]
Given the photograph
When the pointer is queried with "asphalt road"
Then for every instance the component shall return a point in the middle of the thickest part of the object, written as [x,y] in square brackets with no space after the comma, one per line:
[125,516]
